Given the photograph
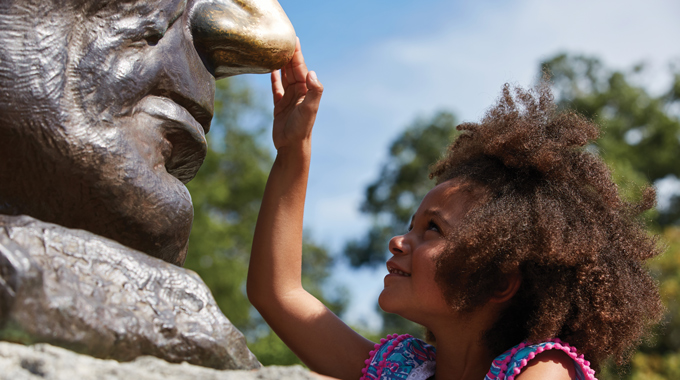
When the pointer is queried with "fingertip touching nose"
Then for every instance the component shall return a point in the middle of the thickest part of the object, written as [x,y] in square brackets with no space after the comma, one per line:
[241,36]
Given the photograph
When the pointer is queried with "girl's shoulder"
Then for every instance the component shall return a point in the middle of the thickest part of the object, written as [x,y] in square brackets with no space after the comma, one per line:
[510,363]
[406,357]
[400,357]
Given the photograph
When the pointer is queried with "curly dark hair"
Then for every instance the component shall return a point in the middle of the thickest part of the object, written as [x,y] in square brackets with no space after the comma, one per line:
[552,214]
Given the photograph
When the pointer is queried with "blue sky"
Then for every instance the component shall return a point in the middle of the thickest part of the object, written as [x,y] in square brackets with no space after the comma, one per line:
[385,63]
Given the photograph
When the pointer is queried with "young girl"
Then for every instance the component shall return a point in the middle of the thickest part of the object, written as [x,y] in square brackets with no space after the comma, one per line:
[520,261]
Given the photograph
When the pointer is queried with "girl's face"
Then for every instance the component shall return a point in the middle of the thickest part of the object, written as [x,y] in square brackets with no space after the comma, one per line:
[410,288]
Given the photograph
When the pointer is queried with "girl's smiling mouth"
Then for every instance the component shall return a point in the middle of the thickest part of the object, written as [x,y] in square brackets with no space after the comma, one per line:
[396,271]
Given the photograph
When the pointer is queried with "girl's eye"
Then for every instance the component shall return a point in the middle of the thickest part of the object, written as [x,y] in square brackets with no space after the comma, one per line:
[433,226]
[410,227]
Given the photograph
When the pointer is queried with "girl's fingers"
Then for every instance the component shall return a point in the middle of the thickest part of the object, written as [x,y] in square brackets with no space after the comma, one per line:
[287,100]
[277,86]
[296,69]
[298,64]
[314,92]
[294,83]
[290,76]
[284,78]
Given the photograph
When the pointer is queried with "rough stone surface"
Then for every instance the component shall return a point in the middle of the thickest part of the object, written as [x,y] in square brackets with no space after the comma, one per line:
[43,361]
[77,290]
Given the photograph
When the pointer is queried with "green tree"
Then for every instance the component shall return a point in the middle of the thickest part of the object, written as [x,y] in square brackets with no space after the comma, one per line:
[641,134]
[660,357]
[227,193]
[641,143]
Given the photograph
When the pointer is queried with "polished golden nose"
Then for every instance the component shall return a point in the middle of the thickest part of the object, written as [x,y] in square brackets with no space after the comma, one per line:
[241,36]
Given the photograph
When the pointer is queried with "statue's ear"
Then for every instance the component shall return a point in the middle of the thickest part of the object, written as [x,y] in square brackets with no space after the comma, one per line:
[507,287]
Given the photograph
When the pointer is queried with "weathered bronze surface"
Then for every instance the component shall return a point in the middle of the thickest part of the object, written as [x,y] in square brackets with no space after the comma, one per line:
[104,107]
[242,37]
[74,289]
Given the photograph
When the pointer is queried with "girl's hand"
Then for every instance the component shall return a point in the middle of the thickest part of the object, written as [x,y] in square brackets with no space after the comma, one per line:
[297,93]
[316,335]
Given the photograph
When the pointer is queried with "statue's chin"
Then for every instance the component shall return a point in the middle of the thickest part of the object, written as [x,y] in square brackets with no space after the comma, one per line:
[118,174]
[130,196]
[151,213]
[161,225]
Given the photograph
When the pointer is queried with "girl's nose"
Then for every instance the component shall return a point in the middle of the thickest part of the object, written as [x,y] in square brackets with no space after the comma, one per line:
[241,36]
[398,245]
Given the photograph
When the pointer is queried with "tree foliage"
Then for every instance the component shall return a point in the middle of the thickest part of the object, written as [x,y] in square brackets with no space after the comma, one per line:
[641,143]
[641,133]
[227,193]
[659,358]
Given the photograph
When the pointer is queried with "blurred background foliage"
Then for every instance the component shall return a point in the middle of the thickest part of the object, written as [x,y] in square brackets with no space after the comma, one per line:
[226,194]
[640,141]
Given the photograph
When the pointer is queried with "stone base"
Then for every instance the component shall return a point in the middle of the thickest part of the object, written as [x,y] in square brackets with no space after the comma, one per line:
[43,361]
[73,289]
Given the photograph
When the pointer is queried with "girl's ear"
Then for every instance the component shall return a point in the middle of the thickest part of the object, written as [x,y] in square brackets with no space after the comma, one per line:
[507,288]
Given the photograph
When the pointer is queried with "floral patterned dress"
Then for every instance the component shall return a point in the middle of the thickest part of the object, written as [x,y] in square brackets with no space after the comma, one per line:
[405,357]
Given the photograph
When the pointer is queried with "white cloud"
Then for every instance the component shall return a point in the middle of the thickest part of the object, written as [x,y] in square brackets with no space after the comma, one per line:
[464,64]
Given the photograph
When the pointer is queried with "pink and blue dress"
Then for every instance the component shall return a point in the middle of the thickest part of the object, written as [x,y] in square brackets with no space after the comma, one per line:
[408,358]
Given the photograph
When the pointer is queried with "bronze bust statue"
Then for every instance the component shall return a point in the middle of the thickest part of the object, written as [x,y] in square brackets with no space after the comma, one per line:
[104,108]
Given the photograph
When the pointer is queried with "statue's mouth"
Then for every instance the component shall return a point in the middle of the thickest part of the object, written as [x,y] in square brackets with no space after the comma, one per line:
[182,130]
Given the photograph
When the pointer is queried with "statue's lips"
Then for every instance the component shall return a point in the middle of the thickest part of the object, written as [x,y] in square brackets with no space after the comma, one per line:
[185,135]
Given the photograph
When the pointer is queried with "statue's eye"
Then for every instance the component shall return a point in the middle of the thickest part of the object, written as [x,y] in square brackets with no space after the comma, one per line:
[149,37]
[153,38]
[157,30]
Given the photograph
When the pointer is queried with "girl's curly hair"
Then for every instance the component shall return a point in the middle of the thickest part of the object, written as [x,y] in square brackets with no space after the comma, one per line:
[551,213]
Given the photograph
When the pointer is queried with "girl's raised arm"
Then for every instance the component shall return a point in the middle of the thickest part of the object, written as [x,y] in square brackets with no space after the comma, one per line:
[316,335]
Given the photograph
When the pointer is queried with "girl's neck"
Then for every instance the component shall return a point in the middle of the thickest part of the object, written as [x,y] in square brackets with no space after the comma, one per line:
[461,361]
[461,352]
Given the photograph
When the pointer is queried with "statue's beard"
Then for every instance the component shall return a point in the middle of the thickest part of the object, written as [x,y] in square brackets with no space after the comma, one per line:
[135,200]
[109,179]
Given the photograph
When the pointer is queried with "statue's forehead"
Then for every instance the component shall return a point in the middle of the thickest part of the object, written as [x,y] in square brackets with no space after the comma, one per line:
[130,19]
[140,7]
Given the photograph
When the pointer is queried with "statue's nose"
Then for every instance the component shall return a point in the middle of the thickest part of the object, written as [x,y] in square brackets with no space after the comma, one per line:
[241,36]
